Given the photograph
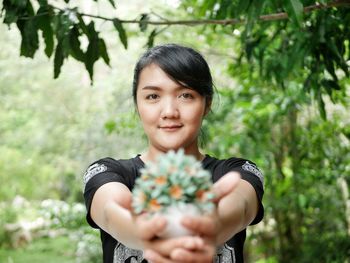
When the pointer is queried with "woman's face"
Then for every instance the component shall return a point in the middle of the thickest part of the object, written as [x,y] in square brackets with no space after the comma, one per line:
[170,113]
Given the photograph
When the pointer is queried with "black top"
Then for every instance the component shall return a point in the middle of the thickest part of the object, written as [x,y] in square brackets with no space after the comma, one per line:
[126,171]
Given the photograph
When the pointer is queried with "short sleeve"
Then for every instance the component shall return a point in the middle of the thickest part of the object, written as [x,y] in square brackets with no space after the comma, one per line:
[99,173]
[250,173]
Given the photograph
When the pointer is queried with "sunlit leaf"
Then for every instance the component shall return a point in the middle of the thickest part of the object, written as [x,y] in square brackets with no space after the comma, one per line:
[143,22]
[296,11]
[82,25]
[74,45]
[58,60]
[321,106]
[122,34]
[11,11]
[103,51]
[44,24]
[30,40]
[150,41]
[110,126]
[112,2]
[92,52]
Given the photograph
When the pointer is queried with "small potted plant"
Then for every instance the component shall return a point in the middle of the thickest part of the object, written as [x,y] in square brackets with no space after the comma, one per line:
[174,185]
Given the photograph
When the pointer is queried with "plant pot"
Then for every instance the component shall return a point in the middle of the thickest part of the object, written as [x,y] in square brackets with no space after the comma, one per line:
[173,214]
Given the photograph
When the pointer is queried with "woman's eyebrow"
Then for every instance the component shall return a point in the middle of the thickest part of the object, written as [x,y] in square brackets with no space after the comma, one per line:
[151,88]
[156,88]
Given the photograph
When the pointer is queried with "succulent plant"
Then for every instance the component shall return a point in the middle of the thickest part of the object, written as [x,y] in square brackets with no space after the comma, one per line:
[175,179]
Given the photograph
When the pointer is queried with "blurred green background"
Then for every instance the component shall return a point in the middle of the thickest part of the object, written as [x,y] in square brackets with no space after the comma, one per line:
[282,101]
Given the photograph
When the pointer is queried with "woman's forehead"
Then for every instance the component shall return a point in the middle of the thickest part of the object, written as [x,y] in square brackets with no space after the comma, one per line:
[152,76]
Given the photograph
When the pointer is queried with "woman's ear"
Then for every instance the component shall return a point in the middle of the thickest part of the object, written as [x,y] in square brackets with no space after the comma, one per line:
[207,106]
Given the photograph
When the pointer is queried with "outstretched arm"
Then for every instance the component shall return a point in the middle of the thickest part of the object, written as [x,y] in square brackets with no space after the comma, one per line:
[237,209]
[237,206]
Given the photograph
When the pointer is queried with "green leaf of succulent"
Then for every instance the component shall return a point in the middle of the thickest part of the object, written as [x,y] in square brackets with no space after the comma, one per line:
[173,179]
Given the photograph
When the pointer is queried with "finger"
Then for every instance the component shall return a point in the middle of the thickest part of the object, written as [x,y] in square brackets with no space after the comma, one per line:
[154,257]
[126,202]
[225,185]
[165,246]
[149,227]
[202,256]
[203,225]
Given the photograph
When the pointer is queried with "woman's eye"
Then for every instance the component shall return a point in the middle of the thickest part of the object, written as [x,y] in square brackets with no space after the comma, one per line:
[186,95]
[152,97]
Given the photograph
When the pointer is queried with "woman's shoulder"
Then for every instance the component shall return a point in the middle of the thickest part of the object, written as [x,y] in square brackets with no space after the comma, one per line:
[229,161]
[111,169]
[224,165]
[111,163]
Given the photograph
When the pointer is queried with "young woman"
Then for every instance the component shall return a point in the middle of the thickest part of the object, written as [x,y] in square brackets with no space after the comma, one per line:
[172,91]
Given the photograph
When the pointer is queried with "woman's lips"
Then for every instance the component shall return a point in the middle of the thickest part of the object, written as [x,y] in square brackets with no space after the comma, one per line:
[170,127]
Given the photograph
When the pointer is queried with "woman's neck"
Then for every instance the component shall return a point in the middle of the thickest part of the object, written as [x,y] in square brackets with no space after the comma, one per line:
[152,153]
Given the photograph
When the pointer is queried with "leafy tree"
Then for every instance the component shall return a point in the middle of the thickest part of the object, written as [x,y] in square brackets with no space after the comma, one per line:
[280,38]
[51,130]
[303,162]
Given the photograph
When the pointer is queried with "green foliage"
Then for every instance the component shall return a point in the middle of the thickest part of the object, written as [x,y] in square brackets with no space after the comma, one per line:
[281,51]
[24,178]
[122,34]
[65,25]
[57,249]
[270,30]
[295,10]
[7,214]
[302,159]
[52,229]
[44,24]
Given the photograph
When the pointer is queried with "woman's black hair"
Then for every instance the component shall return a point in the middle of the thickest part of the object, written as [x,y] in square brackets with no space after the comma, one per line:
[183,64]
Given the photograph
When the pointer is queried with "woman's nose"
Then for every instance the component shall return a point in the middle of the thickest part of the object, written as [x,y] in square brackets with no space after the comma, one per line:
[170,109]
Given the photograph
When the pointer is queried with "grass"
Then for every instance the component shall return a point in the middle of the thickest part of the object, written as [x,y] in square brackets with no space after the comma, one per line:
[44,250]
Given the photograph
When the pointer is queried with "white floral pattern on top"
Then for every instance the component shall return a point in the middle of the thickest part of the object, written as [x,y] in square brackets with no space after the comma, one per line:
[254,170]
[123,254]
[93,170]
[225,254]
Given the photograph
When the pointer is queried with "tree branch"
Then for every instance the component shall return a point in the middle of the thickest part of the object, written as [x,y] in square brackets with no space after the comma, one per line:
[234,21]
[270,17]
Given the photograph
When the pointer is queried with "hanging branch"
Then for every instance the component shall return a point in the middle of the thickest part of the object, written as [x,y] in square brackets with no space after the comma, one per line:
[234,21]
[195,22]
[63,28]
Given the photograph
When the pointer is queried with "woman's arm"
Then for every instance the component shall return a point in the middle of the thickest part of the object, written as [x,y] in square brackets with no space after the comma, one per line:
[237,209]
[110,210]
[237,206]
